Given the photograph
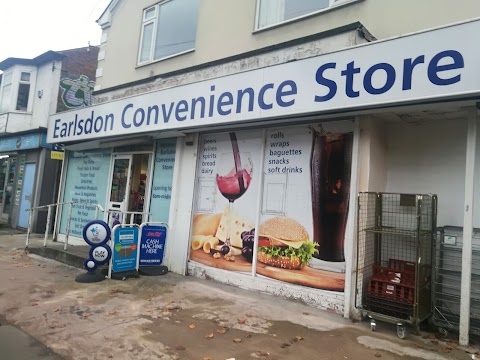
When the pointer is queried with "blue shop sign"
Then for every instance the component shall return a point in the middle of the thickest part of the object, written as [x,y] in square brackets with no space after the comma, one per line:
[125,249]
[152,245]
[22,142]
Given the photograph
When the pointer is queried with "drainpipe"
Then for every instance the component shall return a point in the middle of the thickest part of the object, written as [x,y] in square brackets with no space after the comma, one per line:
[465,291]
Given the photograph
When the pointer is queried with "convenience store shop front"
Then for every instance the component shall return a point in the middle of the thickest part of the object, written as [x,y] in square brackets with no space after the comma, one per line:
[292,132]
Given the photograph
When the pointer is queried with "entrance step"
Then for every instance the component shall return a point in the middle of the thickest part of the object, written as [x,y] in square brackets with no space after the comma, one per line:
[74,259]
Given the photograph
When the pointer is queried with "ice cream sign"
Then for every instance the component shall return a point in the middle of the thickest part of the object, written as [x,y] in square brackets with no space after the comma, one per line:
[426,66]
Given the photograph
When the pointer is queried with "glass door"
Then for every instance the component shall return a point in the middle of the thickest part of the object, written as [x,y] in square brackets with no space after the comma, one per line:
[139,189]
[119,188]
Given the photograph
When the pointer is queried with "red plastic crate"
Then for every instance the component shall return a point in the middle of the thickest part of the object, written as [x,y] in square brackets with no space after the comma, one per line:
[386,289]
[394,276]
[402,265]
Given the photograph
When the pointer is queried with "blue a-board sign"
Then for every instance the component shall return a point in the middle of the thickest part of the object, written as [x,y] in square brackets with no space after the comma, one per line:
[125,242]
[152,245]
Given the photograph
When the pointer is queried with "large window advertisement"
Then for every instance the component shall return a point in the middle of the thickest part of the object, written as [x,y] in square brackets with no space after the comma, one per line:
[303,209]
[87,175]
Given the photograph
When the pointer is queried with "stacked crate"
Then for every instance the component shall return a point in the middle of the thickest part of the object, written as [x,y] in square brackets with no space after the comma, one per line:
[392,288]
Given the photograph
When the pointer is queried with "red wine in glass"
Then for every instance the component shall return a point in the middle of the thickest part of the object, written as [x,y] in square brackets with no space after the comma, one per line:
[229,185]
[234,175]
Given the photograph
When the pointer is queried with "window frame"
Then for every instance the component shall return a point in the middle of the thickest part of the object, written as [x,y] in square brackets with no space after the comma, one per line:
[15,74]
[24,82]
[155,22]
[2,91]
[333,4]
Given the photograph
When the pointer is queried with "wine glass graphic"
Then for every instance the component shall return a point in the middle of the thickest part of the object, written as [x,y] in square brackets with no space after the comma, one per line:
[234,175]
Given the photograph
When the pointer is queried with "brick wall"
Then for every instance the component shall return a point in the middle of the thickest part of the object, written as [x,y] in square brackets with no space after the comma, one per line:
[77,77]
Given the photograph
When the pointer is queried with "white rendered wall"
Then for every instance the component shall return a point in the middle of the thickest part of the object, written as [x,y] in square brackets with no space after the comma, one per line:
[372,156]
[226,28]
[48,79]
[430,158]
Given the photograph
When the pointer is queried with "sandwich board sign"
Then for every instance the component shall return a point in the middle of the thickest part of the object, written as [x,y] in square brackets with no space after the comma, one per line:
[152,244]
[124,248]
[152,248]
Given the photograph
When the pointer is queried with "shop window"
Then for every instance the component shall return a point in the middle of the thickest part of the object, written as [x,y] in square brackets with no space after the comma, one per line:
[9,187]
[272,12]
[304,181]
[23,91]
[168,28]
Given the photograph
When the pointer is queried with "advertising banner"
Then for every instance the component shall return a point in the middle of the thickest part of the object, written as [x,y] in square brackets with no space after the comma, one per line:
[304,208]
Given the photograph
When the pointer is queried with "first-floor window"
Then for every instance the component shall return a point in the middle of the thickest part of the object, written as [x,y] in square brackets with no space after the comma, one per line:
[272,12]
[168,28]
[23,91]
[6,92]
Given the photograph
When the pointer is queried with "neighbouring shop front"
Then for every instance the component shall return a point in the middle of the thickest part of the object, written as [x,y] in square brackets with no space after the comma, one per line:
[258,173]
[26,177]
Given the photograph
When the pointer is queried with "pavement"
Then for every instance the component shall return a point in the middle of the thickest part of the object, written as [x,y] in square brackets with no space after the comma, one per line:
[175,317]
[16,344]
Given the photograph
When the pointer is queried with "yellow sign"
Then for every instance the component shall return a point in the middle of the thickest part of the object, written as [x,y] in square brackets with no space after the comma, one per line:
[57,155]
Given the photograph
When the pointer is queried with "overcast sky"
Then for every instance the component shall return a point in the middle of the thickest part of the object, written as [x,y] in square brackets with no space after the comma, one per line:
[29,28]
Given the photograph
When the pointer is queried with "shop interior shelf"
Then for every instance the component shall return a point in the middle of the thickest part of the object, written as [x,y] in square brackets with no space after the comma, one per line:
[396,231]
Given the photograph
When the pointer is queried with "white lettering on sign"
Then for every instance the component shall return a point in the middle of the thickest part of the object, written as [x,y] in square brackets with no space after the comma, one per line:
[151,246]
[424,66]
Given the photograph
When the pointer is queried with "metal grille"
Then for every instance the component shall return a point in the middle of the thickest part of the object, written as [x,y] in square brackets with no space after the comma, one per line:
[447,279]
[394,255]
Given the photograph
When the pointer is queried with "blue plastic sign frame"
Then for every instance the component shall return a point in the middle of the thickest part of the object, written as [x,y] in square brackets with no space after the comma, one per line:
[152,245]
[125,249]
[101,227]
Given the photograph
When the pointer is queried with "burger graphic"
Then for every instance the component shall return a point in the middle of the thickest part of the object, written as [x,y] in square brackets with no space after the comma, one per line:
[284,243]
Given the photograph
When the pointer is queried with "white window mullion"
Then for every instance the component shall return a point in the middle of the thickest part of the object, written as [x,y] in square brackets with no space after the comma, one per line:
[154,31]
[147,20]
[154,37]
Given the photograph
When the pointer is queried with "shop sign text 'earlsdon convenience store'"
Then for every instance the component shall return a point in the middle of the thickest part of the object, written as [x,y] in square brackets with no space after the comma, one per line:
[430,65]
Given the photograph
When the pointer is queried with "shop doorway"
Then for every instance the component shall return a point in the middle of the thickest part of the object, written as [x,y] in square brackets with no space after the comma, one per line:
[27,195]
[128,189]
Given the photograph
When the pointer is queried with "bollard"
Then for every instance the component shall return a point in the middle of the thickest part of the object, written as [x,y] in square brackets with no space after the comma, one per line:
[68,226]
[49,216]
[29,230]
